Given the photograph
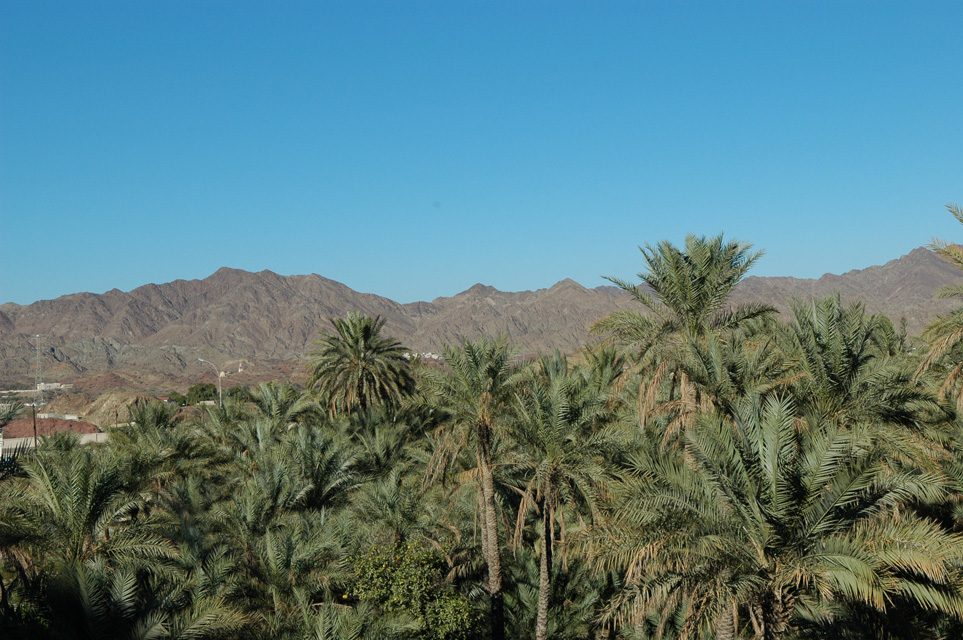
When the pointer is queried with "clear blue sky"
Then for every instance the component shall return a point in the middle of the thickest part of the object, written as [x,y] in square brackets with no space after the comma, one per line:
[412,149]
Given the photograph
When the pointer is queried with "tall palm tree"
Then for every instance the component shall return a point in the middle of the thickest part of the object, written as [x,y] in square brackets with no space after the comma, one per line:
[684,293]
[476,393]
[763,519]
[690,287]
[357,367]
[559,451]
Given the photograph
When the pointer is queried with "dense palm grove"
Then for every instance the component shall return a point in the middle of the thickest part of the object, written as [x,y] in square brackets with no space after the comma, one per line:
[703,471]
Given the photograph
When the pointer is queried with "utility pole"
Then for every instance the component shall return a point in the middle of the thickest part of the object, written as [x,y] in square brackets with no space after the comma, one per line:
[38,373]
[219,374]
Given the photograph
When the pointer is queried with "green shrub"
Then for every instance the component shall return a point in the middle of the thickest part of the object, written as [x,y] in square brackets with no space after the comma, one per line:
[201,392]
[410,580]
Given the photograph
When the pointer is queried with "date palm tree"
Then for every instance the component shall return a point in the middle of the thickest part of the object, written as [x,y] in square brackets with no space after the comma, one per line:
[763,519]
[945,334]
[282,404]
[559,452]
[847,371]
[83,507]
[684,293]
[356,367]
[476,393]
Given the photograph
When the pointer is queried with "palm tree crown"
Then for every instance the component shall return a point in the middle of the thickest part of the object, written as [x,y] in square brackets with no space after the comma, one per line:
[768,520]
[357,367]
[945,334]
[690,288]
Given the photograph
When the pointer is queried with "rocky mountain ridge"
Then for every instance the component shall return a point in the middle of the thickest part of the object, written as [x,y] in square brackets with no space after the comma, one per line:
[152,336]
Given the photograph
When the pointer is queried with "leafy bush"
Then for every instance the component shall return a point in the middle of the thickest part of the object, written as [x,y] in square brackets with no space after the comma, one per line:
[201,392]
[407,580]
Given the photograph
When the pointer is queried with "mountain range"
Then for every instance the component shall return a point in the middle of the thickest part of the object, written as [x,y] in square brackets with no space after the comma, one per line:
[150,338]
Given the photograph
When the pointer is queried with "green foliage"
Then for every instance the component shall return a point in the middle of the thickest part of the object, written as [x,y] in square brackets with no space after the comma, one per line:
[9,411]
[357,367]
[945,334]
[237,392]
[408,579]
[687,307]
[178,398]
[690,286]
[201,392]
[153,415]
[769,517]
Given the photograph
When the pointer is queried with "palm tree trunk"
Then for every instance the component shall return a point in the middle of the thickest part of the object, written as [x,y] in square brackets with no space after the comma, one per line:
[3,598]
[490,546]
[544,575]
[777,614]
[726,624]
[770,617]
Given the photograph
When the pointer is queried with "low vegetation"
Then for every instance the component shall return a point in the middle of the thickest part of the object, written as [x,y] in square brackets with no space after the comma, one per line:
[703,471]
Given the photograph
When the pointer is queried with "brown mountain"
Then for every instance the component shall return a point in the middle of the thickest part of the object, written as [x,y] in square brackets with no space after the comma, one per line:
[902,288]
[151,337]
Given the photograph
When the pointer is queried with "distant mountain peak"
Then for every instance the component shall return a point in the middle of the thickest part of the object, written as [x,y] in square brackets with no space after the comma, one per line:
[567,285]
[228,272]
[480,289]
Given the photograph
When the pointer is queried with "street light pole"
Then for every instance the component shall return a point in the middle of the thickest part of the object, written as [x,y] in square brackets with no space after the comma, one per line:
[217,372]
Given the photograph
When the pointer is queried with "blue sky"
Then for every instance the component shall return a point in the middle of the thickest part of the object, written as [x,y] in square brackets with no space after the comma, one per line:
[412,149]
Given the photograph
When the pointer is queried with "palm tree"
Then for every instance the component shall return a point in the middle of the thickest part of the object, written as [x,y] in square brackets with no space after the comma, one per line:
[157,447]
[559,451]
[297,563]
[945,334]
[394,508]
[8,412]
[746,362]
[852,368]
[282,404]
[94,601]
[763,520]
[691,288]
[357,367]
[327,467]
[689,291]
[89,559]
[578,594]
[83,507]
[8,461]
[846,370]
[476,393]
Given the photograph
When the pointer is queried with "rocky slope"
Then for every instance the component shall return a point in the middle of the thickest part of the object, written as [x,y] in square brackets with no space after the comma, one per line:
[150,338]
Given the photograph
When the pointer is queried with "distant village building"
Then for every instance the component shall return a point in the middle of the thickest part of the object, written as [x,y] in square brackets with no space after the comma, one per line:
[53,386]
[421,356]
